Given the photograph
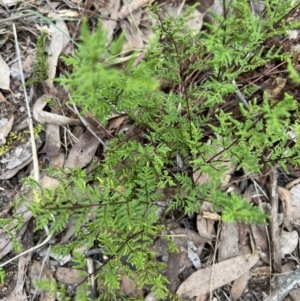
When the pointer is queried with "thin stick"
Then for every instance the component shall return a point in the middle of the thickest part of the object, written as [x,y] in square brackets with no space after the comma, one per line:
[34,152]
[36,172]
[274,224]
[240,96]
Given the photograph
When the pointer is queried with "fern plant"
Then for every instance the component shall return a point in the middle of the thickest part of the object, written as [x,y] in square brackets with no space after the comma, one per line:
[114,206]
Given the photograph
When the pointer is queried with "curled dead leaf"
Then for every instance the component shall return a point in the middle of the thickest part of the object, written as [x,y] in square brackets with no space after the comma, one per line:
[46,117]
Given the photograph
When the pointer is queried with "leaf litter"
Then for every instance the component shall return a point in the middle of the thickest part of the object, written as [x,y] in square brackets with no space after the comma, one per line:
[190,267]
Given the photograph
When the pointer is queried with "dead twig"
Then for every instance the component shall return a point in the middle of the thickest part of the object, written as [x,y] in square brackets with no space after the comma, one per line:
[13,18]
[274,225]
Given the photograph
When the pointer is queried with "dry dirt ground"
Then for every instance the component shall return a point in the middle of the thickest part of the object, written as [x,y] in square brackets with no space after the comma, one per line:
[253,277]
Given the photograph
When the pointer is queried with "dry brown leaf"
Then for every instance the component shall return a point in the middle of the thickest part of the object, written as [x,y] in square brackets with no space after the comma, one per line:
[35,270]
[48,182]
[133,38]
[234,188]
[243,231]
[46,117]
[195,18]
[111,23]
[70,230]
[229,245]
[76,133]
[59,41]
[52,143]
[260,237]
[212,216]
[129,288]
[258,6]
[27,67]
[181,236]
[210,278]
[28,63]
[274,89]
[201,178]
[284,194]
[129,8]
[249,192]
[57,160]
[261,272]
[115,123]
[196,21]
[151,297]
[161,248]
[239,286]
[295,294]
[292,208]
[68,275]
[177,264]
[4,75]
[288,242]
[201,298]
[2,98]
[14,296]
[5,128]
[180,262]
[147,23]
[205,226]
[287,268]
[291,184]
[82,152]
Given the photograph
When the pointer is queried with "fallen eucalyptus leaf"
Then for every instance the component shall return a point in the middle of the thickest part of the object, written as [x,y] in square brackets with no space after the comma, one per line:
[59,41]
[82,152]
[210,278]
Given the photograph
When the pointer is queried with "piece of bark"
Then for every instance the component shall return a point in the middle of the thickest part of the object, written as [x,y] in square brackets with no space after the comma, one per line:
[286,285]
